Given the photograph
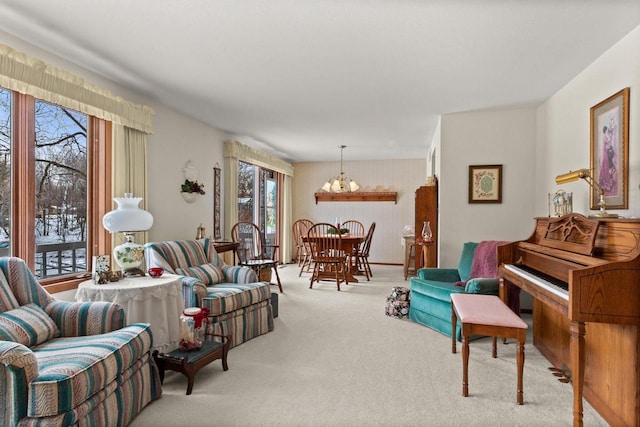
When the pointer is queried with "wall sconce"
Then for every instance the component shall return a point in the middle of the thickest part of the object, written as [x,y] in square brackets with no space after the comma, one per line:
[191,188]
[586,175]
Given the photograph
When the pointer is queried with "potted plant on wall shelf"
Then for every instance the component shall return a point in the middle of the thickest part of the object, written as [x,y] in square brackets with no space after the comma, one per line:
[190,190]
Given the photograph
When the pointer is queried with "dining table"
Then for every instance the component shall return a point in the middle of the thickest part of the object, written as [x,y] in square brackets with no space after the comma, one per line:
[349,243]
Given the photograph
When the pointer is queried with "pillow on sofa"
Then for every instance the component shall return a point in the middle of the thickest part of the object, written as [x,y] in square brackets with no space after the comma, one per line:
[28,325]
[207,273]
[183,252]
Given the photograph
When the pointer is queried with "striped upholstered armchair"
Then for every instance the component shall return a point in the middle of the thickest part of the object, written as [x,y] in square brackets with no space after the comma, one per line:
[239,305]
[65,363]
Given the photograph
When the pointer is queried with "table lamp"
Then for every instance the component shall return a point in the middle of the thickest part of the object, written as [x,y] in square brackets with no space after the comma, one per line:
[128,218]
[586,175]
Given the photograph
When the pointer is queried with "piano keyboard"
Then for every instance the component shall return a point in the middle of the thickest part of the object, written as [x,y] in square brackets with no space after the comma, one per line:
[551,284]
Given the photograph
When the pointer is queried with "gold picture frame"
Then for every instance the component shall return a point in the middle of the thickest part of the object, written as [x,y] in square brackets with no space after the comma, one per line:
[610,150]
[485,184]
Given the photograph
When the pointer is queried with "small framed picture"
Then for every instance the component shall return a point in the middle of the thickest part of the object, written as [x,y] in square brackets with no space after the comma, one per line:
[485,184]
[100,264]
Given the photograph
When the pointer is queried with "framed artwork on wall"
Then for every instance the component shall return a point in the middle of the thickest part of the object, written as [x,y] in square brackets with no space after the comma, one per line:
[217,235]
[610,150]
[485,184]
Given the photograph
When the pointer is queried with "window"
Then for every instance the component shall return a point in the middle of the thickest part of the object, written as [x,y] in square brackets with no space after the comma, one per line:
[61,190]
[261,185]
[5,172]
[46,165]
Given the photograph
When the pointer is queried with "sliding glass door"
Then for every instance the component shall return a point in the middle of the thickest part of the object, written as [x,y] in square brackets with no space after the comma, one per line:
[258,200]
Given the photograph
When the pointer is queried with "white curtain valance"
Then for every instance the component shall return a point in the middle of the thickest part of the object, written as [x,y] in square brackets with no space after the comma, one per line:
[34,77]
[251,155]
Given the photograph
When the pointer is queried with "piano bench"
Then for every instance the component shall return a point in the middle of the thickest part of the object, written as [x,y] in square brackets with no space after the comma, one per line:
[486,315]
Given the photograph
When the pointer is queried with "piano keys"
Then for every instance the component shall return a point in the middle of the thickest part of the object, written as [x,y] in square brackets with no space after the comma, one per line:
[592,326]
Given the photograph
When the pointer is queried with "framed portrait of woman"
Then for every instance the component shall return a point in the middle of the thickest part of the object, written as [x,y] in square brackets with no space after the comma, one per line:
[610,151]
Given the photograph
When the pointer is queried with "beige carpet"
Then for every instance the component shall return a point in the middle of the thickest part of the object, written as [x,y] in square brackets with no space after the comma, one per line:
[335,359]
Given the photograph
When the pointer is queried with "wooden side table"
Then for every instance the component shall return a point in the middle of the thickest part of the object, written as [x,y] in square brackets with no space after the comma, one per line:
[222,247]
[190,362]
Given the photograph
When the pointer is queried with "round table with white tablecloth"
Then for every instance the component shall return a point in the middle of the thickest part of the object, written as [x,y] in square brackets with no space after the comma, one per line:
[157,301]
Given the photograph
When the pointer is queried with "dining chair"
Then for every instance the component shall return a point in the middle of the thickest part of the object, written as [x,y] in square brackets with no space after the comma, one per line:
[356,228]
[300,229]
[253,251]
[327,254]
[304,260]
[362,255]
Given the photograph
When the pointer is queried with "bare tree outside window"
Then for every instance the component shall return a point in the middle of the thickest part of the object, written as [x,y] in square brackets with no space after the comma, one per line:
[60,223]
[61,188]
[5,171]
[246,196]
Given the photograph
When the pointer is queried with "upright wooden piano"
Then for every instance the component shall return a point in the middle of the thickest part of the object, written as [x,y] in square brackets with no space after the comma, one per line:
[584,276]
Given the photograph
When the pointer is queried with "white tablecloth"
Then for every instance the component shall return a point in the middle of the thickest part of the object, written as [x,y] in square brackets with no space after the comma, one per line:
[157,301]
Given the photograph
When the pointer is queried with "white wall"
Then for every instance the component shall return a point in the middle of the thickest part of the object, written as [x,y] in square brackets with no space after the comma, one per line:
[563,125]
[403,176]
[505,137]
[177,139]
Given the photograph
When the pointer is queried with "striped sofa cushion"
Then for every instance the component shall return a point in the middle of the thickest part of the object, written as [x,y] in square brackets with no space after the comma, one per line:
[28,325]
[239,274]
[7,300]
[244,324]
[182,253]
[227,297]
[73,369]
[207,273]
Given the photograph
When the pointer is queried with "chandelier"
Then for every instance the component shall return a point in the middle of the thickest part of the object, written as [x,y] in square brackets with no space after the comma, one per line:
[340,183]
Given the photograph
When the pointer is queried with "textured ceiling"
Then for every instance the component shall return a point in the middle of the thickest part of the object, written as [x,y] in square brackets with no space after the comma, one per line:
[297,78]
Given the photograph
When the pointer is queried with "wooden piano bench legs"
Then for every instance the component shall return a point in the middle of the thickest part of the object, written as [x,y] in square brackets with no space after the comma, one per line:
[486,315]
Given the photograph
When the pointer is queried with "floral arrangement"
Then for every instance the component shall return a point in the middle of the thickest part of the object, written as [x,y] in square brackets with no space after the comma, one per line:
[343,230]
[192,187]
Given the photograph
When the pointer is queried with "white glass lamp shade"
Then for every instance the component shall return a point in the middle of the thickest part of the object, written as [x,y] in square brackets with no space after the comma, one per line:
[335,186]
[341,185]
[128,218]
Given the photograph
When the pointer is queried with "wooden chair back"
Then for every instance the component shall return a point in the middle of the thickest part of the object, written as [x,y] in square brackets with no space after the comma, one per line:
[327,254]
[252,246]
[325,242]
[356,228]
[366,245]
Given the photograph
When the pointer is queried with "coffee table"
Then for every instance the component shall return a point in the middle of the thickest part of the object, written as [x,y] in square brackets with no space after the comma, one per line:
[190,362]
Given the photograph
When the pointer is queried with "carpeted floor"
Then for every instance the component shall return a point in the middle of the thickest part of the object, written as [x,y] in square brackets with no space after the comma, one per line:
[335,359]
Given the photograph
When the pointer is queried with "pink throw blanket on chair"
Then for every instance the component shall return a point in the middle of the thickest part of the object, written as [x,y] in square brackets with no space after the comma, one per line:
[484,261]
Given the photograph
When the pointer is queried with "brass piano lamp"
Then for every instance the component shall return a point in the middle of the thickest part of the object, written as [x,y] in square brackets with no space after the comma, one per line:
[586,175]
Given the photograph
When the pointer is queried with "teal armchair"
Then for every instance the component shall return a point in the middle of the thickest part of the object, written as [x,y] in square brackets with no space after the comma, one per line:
[431,289]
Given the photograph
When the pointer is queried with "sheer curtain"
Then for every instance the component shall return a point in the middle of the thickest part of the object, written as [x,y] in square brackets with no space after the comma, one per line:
[234,152]
[129,170]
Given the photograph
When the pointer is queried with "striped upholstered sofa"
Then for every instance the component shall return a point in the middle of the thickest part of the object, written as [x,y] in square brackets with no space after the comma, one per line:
[65,363]
[238,304]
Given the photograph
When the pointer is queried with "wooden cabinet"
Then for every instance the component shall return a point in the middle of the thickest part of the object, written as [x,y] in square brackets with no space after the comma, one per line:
[426,209]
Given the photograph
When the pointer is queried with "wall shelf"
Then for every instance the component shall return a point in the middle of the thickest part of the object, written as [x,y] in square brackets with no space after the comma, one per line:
[358,196]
